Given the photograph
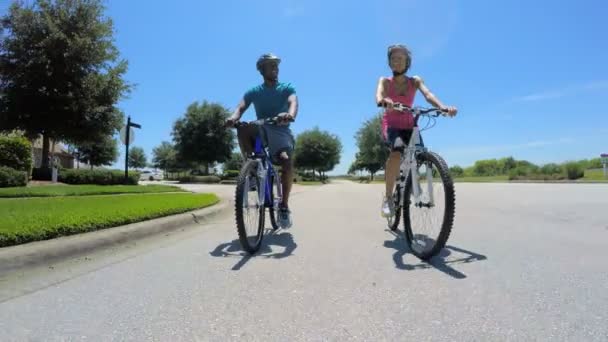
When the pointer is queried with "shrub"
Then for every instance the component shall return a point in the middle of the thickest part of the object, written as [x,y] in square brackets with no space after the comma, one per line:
[10,177]
[200,179]
[230,174]
[16,153]
[574,170]
[99,177]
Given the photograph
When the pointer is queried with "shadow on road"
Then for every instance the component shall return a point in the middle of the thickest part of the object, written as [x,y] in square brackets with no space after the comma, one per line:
[271,238]
[439,262]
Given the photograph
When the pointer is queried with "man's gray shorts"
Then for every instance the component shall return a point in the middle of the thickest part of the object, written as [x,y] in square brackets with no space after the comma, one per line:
[278,139]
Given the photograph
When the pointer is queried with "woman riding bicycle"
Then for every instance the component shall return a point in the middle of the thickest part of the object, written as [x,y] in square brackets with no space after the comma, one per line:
[397,125]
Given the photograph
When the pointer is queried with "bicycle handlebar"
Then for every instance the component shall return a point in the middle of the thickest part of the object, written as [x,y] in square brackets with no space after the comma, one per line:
[417,111]
[272,121]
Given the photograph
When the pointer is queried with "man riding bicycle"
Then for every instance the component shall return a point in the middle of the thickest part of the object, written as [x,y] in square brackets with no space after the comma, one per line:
[396,125]
[271,99]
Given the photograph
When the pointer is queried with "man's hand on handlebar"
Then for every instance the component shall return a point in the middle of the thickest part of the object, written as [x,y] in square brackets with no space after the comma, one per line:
[230,121]
[284,119]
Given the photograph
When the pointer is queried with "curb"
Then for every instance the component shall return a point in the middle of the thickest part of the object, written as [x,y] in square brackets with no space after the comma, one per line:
[43,252]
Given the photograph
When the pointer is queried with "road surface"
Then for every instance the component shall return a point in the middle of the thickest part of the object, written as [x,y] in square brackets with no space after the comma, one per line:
[524,262]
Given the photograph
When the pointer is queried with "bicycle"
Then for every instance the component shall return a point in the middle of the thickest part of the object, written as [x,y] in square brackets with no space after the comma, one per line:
[420,168]
[256,175]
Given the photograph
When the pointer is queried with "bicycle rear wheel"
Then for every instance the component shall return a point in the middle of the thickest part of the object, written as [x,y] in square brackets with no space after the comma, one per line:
[249,210]
[272,209]
[428,220]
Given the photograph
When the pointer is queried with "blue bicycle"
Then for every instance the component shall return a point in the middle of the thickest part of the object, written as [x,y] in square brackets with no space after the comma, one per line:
[255,192]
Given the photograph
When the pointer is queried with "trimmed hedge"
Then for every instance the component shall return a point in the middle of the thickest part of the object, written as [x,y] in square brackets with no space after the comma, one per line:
[16,153]
[574,170]
[200,179]
[10,177]
[100,177]
[230,174]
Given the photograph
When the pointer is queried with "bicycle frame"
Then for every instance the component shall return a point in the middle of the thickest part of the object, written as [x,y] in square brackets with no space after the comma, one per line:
[265,172]
[409,166]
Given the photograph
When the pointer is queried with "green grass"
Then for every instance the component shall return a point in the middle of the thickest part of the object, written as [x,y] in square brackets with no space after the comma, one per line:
[596,175]
[83,190]
[29,219]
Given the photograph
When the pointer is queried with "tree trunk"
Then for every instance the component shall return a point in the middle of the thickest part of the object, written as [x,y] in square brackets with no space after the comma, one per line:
[45,152]
[372,173]
[91,167]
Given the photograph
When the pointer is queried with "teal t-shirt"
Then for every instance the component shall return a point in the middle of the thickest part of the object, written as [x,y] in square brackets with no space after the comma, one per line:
[269,101]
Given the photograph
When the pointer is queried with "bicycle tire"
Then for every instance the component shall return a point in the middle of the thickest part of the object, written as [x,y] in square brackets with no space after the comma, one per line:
[449,212]
[251,248]
[393,222]
[271,210]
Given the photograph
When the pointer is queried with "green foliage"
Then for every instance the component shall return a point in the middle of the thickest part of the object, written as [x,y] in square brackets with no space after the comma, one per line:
[317,150]
[230,174]
[200,136]
[235,162]
[10,177]
[164,157]
[456,171]
[137,158]
[574,170]
[99,177]
[61,75]
[372,153]
[200,179]
[103,151]
[16,153]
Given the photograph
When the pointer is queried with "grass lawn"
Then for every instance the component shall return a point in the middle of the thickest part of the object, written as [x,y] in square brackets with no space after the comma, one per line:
[596,175]
[83,190]
[29,219]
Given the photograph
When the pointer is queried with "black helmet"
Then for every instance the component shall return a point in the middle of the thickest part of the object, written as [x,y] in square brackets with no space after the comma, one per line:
[265,58]
[400,47]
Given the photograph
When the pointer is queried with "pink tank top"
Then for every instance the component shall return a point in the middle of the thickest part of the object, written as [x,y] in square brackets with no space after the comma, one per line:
[396,119]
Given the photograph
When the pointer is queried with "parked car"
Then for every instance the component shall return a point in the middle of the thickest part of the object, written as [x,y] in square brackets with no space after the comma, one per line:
[148,175]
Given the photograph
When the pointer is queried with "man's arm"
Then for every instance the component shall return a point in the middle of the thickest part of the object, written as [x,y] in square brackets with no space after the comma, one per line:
[240,109]
[292,100]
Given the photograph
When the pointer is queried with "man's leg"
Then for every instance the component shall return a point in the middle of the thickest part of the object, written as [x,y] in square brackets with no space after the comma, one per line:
[286,177]
[246,136]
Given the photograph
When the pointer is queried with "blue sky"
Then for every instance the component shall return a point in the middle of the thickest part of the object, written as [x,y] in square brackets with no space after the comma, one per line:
[530,78]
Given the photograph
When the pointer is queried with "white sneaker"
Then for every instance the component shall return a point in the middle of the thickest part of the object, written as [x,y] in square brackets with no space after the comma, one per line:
[387,208]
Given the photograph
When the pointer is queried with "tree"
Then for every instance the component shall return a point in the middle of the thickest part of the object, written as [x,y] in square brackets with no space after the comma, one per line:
[60,72]
[200,136]
[137,158]
[456,171]
[372,153]
[100,152]
[164,157]
[235,162]
[318,151]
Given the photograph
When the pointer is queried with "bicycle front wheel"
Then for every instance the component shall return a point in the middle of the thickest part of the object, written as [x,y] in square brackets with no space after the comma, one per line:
[428,219]
[249,210]
[393,220]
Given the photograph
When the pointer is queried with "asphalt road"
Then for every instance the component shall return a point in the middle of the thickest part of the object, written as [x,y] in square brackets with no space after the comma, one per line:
[525,262]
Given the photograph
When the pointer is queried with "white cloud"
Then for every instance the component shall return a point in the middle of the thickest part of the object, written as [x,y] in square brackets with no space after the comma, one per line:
[559,93]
